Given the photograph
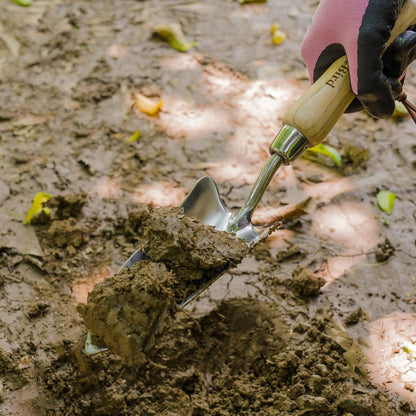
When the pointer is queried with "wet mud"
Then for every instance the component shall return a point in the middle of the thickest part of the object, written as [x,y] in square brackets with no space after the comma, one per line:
[246,356]
[317,320]
[130,311]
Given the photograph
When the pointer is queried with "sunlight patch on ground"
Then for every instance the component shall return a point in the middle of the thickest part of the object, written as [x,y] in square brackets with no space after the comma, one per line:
[82,287]
[263,100]
[230,171]
[244,114]
[159,194]
[189,120]
[351,225]
[337,266]
[281,239]
[392,354]
[180,62]
[107,188]
[328,190]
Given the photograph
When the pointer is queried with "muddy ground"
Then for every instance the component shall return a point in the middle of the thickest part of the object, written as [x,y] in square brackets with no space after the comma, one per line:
[267,338]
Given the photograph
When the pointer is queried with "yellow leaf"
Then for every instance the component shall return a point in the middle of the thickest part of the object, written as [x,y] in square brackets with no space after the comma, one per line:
[22,2]
[147,105]
[400,110]
[134,136]
[172,32]
[385,201]
[326,150]
[37,206]
[278,37]
[274,27]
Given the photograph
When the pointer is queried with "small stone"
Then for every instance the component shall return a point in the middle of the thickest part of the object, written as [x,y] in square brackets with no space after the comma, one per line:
[354,317]
[305,283]
[409,386]
[384,251]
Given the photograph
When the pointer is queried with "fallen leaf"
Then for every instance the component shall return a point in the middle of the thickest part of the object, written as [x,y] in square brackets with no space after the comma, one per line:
[24,3]
[326,150]
[147,105]
[400,110]
[172,32]
[278,36]
[385,201]
[274,27]
[37,206]
[134,136]
[409,351]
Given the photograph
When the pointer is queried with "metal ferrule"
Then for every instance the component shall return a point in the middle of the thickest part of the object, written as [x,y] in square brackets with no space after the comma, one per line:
[289,144]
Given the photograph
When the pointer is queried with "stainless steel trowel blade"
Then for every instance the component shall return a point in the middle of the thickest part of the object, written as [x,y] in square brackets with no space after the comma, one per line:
[204,203]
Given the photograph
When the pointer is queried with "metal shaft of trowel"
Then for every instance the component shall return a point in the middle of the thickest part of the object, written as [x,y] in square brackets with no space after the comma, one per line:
[288,145]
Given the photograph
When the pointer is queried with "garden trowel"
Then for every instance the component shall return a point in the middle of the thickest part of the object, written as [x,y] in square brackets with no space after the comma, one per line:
[305,125]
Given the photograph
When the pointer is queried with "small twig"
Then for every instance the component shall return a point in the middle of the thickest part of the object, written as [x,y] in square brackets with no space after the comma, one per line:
[409,106]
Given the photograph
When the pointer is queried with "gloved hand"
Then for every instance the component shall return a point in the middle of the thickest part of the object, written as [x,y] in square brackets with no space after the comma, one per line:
[360,29]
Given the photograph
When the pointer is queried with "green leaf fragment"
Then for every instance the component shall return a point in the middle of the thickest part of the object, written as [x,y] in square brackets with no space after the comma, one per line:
[409,351]
[385,201]
[172,32]
[134,136]
[24,3]
[37,206]
[400,110]
[329,151]
[90,348]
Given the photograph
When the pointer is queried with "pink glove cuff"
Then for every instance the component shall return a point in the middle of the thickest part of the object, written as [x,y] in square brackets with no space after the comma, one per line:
[344,26]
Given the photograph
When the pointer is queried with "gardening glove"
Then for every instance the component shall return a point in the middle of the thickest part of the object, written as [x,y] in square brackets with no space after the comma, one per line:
[359,29]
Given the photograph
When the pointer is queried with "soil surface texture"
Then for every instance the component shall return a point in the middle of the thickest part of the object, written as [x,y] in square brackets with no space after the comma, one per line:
[319,319]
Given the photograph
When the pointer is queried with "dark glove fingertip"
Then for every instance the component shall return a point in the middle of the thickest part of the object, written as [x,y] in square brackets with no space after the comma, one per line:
[400,54]
[396,87]
[355,106]
[379,109]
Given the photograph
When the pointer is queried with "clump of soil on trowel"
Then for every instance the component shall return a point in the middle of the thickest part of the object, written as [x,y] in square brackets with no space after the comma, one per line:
[182,255]
[194,252]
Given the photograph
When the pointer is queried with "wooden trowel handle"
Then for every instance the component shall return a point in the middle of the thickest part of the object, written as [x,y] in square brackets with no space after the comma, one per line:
[317,111]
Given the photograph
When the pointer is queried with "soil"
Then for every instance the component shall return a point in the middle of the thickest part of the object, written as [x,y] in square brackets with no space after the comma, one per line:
[180,257]
[318,319]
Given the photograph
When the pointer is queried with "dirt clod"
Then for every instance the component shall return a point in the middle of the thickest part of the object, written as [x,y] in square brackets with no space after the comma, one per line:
[186,246]
[384,251]
[68,233]
[69,205]
[354,317]
[306,283]
[130,310]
